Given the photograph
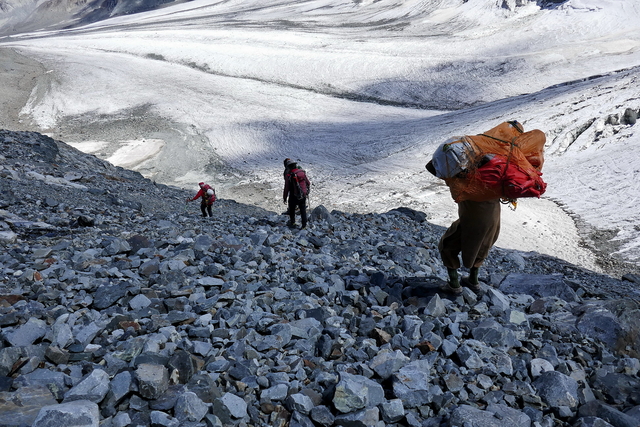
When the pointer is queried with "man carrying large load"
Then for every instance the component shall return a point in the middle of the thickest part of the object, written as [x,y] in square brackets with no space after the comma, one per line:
[500,165]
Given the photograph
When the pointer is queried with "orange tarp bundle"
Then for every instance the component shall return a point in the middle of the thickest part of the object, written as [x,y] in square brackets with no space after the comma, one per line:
[522,150]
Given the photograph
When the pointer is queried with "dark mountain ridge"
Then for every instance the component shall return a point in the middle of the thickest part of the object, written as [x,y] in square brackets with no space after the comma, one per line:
[26,16]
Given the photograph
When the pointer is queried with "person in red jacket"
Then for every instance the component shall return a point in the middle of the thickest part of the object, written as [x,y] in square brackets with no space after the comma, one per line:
[296,190]
[208,196]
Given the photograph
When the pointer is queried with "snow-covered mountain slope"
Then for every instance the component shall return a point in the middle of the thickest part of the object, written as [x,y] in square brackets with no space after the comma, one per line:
[362,93]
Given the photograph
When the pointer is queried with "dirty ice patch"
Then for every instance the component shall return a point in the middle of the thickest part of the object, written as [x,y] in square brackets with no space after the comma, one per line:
[89,147]
[135,152]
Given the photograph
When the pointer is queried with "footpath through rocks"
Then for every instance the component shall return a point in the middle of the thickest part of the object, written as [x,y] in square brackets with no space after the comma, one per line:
[120,306]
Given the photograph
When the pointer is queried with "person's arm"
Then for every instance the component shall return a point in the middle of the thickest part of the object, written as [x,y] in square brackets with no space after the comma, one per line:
[285,193]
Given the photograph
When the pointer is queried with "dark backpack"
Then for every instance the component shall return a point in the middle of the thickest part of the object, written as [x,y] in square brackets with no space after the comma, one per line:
[298,184]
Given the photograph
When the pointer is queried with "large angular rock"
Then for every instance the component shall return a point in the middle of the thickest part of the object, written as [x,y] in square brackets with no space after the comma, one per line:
[62,335]
[13,357]
[80,413]
[138,242]
[7,237]
[113,246]
[277,393]
[54,381]
[107,295]
[121,385]
[280,336]
[557,389]
[493,416]
[307,328]
[28,333]
[608,413]
[387,363]
[538,366]
[153,380]
[494,334]
[498,300]
[415,215]
[435,307]
[185,363]
[354,392]
[600,323]
[538,285]
[392,410]
[190,408]
[22,406]
[300,403]
[161,419]
[93,387]
[619,388]
[411,384]
[368,417]
[477,355]
[202,243]
[229,408]
[322,415]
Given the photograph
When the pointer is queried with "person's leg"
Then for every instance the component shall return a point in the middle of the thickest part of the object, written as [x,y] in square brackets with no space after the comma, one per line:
[303,212]
[292,211]
[480,229]
[471,281]
[203,209]
[454,280]
[450,246]
[473,275]
[210,210]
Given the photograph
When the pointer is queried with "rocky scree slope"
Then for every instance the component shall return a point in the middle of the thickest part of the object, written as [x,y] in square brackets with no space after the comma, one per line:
[120,307]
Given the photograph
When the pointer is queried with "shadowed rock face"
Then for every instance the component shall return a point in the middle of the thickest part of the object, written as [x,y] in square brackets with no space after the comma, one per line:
[120,304]
[103,9]
[30,15]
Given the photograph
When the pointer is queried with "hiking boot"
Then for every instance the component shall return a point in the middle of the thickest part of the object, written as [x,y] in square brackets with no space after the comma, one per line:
[291,224]
[453,277]
[471,281]
[466,282]
[455,290]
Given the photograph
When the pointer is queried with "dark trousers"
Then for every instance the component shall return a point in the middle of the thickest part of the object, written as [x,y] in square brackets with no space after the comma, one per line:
[205,208]
[472,234]
[302,204]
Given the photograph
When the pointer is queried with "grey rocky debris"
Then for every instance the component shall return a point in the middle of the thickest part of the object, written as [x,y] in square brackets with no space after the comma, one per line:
[80,413]
[118,304]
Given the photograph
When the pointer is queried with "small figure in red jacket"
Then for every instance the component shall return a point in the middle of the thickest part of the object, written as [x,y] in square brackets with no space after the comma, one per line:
[208,196]
[296,190]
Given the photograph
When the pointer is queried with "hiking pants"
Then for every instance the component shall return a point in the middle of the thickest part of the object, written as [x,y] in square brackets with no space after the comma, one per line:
[302,204]
[473,233]
[205,208]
